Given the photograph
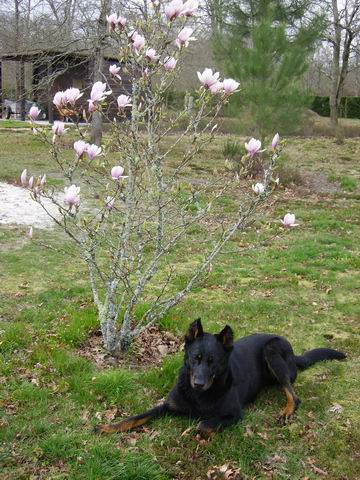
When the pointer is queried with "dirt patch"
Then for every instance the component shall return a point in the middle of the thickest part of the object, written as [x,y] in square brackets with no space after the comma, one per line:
[148,349]
[318,182]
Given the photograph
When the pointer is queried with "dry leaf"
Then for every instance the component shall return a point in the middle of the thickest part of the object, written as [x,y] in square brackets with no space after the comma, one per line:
[336,408]
[248,431]
[110,414]
[185,432]
[224,472]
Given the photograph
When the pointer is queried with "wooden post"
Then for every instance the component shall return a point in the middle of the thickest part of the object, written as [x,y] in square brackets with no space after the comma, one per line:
[1,93]
[21,93]
[49,92]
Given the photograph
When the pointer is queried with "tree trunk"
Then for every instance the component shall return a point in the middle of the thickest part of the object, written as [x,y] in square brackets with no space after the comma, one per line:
[97,123]
[334,94]
[20,87]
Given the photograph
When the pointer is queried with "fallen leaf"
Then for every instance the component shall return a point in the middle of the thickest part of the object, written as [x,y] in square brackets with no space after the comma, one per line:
[185,432]
[336,408]
[248,431]
[110,414]
[224,472]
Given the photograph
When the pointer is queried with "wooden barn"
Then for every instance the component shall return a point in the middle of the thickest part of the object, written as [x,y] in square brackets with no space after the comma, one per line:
[37,76]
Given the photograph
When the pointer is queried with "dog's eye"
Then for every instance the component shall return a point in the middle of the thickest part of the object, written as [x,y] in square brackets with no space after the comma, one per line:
[210,360]
[198,357]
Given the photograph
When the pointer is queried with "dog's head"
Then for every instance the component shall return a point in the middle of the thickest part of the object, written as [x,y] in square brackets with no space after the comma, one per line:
[206,355]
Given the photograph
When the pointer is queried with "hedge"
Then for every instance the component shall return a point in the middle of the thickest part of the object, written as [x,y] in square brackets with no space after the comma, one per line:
[349,106]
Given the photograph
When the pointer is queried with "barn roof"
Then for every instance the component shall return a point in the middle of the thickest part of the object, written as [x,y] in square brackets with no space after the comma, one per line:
[37,54]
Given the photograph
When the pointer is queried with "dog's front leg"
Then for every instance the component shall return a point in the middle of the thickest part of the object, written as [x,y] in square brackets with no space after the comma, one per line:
[215,424]
[133,422]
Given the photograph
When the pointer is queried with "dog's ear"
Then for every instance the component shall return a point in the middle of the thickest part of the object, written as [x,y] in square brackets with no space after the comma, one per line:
[195,330]
[226,338]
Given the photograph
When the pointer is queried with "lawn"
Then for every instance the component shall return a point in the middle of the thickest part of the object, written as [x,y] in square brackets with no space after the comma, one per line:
[302,283]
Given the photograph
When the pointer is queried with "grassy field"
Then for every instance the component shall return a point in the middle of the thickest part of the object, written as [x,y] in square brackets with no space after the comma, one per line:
[302,283]
[313,125]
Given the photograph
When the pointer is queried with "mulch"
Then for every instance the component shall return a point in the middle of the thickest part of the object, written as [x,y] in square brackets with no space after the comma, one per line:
[147,350]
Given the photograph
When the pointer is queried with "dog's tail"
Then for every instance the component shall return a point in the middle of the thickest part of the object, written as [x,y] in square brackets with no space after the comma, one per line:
[317,355]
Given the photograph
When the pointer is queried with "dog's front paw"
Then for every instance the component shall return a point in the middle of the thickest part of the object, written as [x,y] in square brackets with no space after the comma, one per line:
[284,418]
[205,429]
[101,428]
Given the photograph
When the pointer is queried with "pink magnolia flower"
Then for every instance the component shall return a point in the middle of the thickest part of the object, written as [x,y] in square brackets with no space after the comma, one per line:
[174,9]
[184,37]
[23,177]
[36,192]
[43,180]
[117,172]
[138,42]
[109,203]
[258,188]
[169,63]
[30,232]
[151,54]
[58,128]
[230,86]
[34,112]
[80,148]
[59,99]
[114,21]
[253,146]
[92,106]
[208,78]
[131,35]
[71,95]
[114,70]
[93,151]
[189,7]
[72,195]
[216,88]
[289,220]
[123,101]
[275,141]
[98,92]
[122,21]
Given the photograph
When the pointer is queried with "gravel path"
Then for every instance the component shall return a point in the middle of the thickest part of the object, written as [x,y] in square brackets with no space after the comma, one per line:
[17,207]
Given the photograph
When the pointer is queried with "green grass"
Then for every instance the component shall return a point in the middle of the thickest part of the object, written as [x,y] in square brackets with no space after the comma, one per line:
[302,283]
[14,124]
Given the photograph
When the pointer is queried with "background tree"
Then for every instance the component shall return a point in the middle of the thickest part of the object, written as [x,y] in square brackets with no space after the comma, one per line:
[266,46]
[343,32]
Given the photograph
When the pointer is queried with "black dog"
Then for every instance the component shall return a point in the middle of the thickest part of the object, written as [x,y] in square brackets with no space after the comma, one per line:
[220,377]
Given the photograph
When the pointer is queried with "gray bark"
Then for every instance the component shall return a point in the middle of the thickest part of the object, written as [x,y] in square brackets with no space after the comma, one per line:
[97,124]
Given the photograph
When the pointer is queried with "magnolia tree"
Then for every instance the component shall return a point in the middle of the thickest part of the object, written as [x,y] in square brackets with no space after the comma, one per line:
[127,204]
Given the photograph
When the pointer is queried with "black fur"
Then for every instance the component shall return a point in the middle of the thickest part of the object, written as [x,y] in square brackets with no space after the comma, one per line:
[220,377]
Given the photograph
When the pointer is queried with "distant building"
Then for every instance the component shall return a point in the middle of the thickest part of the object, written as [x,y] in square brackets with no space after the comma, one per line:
[45,72]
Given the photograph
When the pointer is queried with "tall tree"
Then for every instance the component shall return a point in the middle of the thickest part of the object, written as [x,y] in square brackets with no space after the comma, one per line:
[99,50]
[266,45]
[344,30]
